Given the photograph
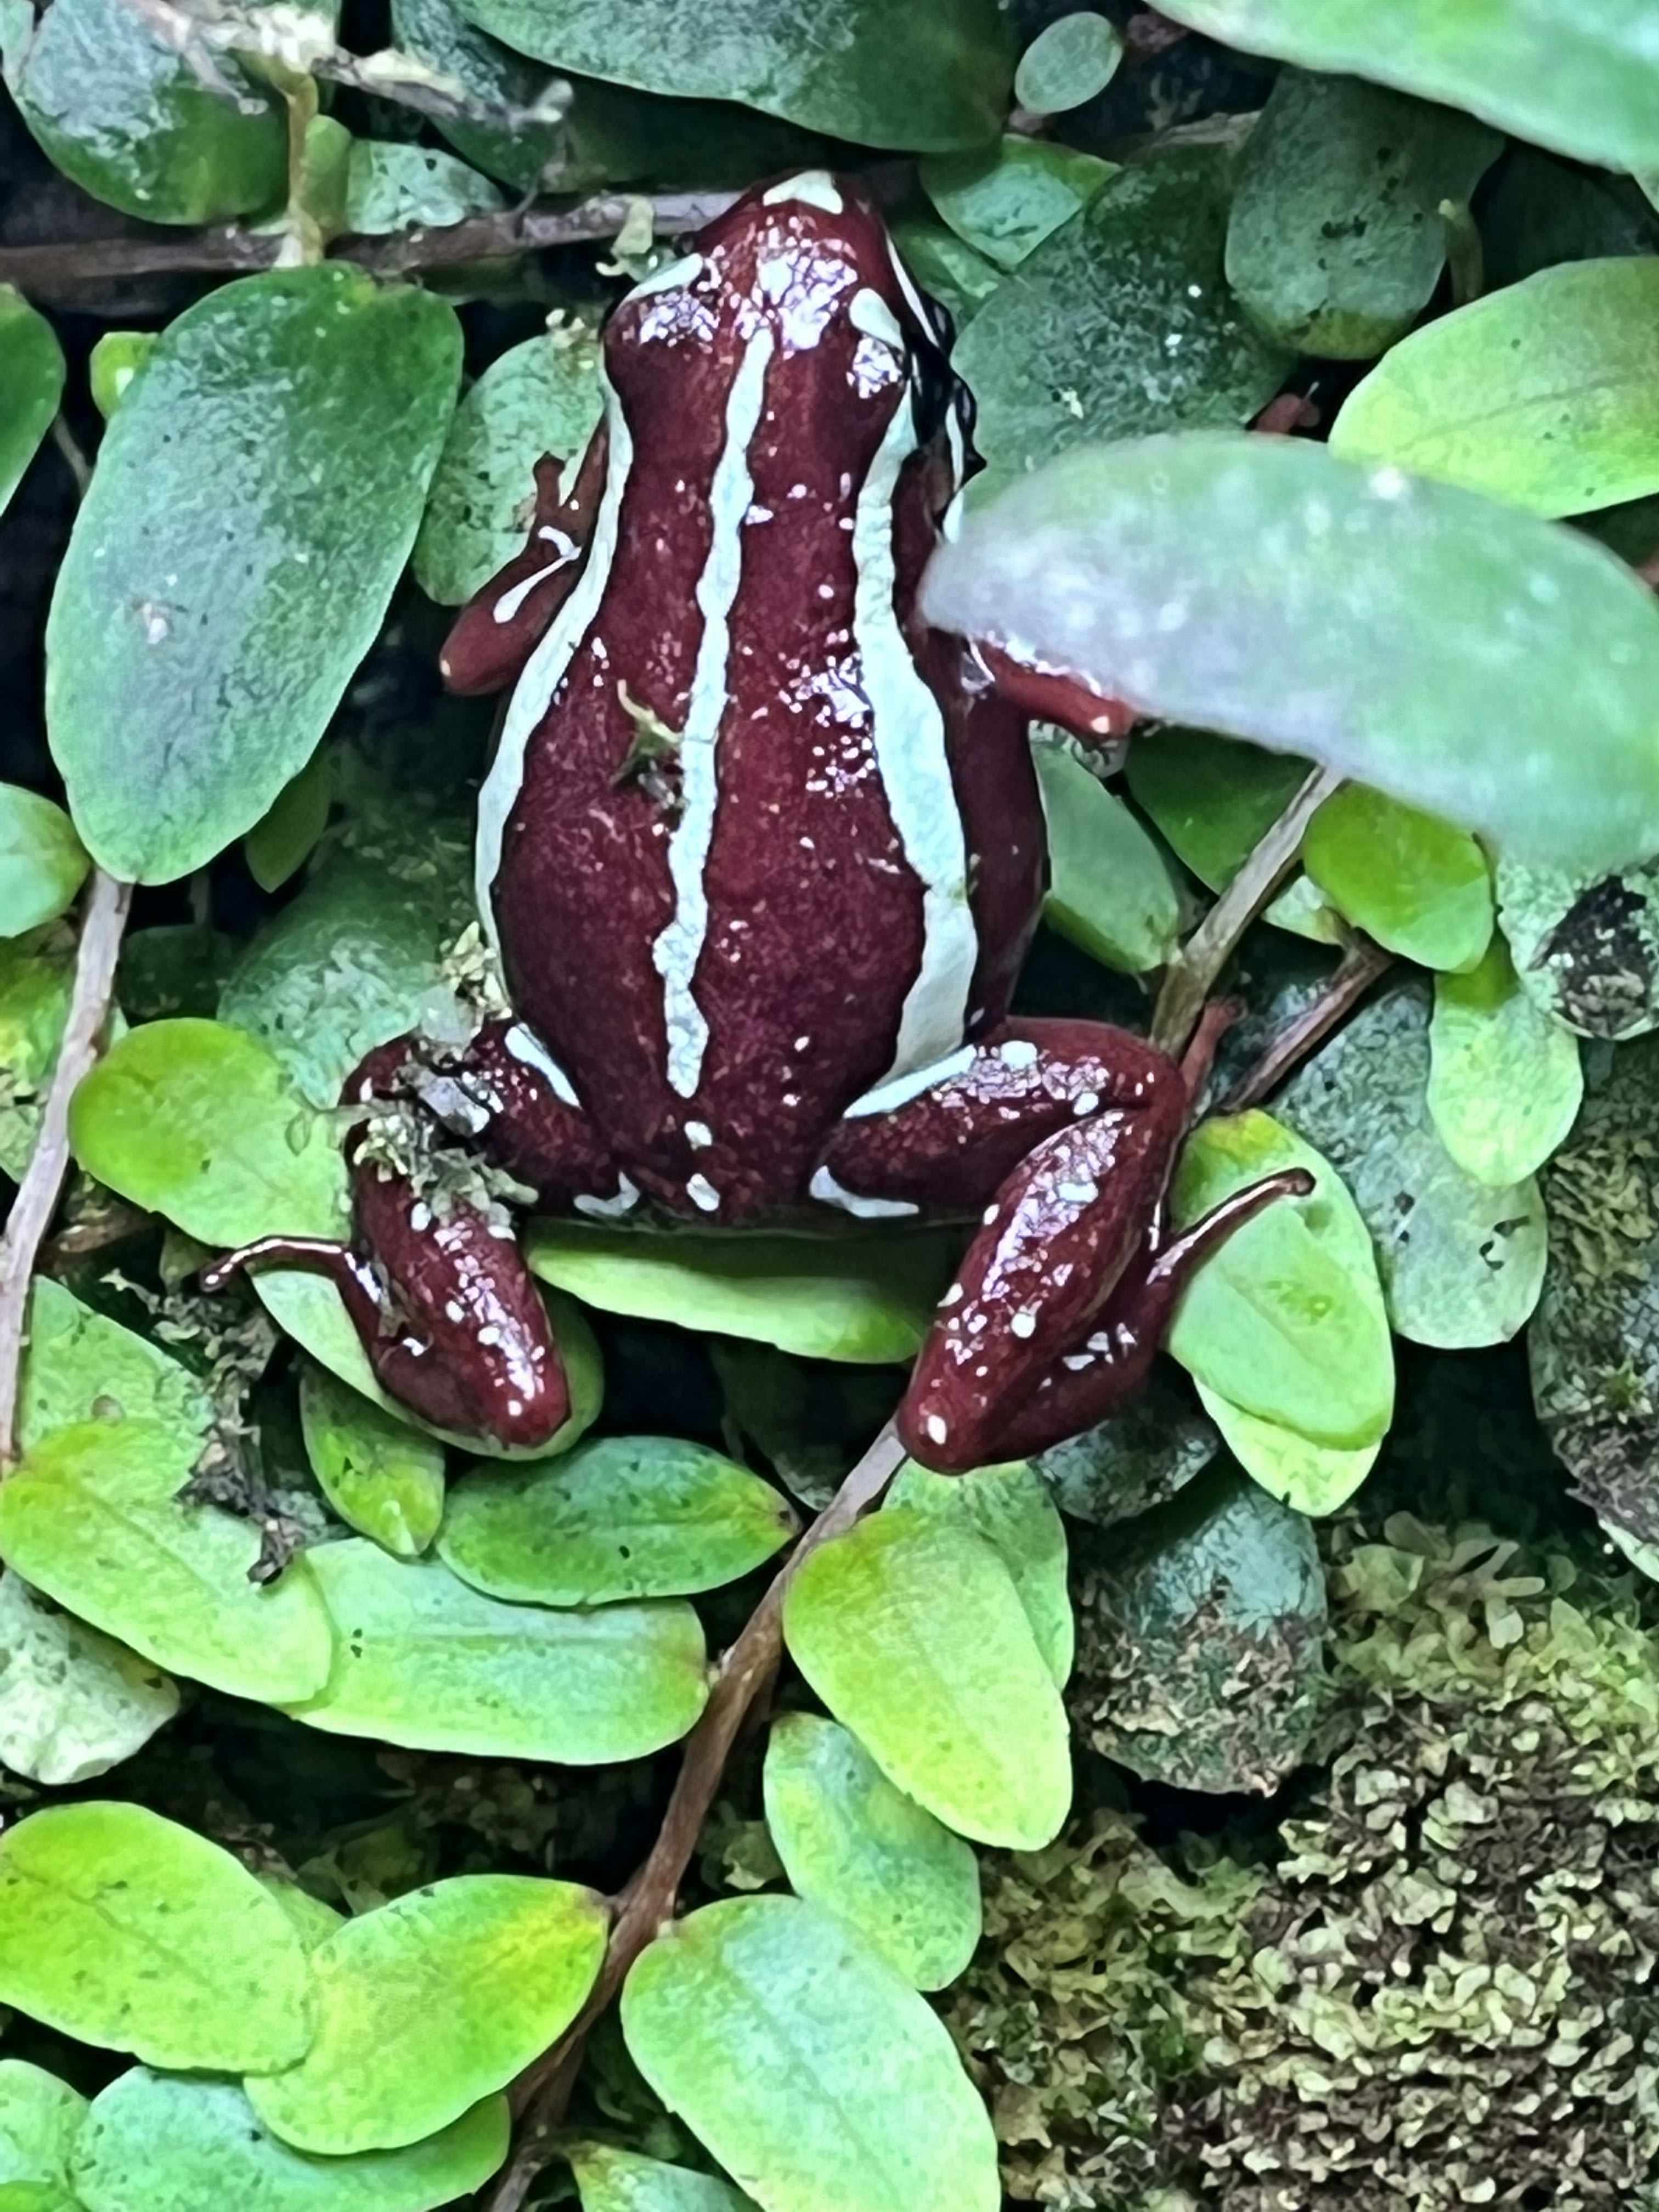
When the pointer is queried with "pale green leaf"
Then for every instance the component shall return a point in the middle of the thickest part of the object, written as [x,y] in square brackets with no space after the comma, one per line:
[39,2118]
[73,1703]
[394,187]
[1111,890]
[31,385]
[820,2080]
[382,1477]
[1006,200]
[42,862]
[611,2179]
[1070,61]
[1585,947]
[1417,885]
[81,1365]
[1505,1079]
[1315,1479]
[282,840]
[1010,1508]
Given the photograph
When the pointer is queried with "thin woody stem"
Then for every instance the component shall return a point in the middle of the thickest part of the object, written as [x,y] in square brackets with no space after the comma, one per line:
[1289,1046]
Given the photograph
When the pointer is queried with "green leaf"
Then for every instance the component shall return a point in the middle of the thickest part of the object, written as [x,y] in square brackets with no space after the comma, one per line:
[428,2004]
[926,80]
[611,2179]
[852,1295]
[156,2143]
[1007,199]
[382,1477]
[1206,1622]
[256,497]
[1417,885]
[434,32]
[1010,1508]
[913,1635]
[1153,1447]
[1109,889]
[39,2118]
[1119,322]
[286,834]
[1287,1319]
[541,396]
[355,958]
[72,1704]
[947,269]
[1541,394]
[42,862]
[116,358]
[1213,798]
[1337,241]
[852,1844]
[820,2080]
[312,1920]
[81,1365]
[1586,948]
[620,1517]
[124,1930]
[422,1661]
[1460,1260]
[1315,1479]
[1504,1079]
[32,381]
[92,1517]
[200,1123]
[121,110]
[1580,80]
[1140,566]
[37,979]
[173,968]
[392,187]
[1070,61]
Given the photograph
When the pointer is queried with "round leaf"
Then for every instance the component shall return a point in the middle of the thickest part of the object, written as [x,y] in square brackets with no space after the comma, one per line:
[820,2080]
[539,397]
[1109,889]
[73,1703]
[1461,1261]
[92,1516]
[42,862]
[200,1123]
[1417,885]
[913,1634]
[1260,586]
[255,499]
[430,2003]
[39,2118]
[1541,394]
[619,1518]
[81,1365]
[31,385]
[1119,322]
[1070,61]
[1585,949]
[121,110]
[1287,1319]
[1337,241]
[1504,1079]
[1004,202]
[1213,798]
[1153,1447]
[866,1298]
[154,2143]
[383,1478]
[611,2179]
[422,1661]
[854,1845]
[925,79]
[1580,80]
[283,838]
[122,1928]
[392,186]
[1010,1507]
[1315,1479]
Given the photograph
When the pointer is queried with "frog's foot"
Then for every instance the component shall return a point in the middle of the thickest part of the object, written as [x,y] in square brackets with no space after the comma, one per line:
[1069,1130]
[496,633]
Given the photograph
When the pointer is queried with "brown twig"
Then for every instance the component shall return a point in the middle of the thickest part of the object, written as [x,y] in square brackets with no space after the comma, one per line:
[1191,976]
[647,1906]
[1289,1046]
[231,250]
[103,919]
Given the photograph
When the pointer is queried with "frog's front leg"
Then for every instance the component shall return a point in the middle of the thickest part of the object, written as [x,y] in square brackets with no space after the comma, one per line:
[1068,1129]
[449,1315]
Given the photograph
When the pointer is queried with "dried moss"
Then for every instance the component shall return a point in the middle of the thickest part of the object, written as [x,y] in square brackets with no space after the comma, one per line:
[1436,1988]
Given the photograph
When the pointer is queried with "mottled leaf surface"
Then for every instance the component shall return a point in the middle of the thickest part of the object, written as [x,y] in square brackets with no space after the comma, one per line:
[383,1478]
[72,1704]
[1505,1079]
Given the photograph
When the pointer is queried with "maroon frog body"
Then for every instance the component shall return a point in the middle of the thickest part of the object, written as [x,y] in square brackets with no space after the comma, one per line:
[760,856]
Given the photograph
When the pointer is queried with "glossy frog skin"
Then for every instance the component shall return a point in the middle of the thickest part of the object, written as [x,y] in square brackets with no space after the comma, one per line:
[761,857]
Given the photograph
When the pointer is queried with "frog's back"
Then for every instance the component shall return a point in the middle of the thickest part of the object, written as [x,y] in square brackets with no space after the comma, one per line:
[729,838]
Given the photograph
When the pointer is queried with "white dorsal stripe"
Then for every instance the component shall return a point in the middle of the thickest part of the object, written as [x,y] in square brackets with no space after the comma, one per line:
[527,1047]
[678,948]
[916,775]
[673,276]
[546,669]
[816,187]
[901,1089]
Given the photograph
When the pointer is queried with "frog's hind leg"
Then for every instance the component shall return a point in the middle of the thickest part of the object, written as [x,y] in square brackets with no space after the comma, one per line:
[449,1313]
[1064,1133]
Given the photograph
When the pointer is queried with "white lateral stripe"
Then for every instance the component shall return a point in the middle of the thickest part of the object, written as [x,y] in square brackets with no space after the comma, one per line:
[512,600]
[626,1199]
[816,187]
[899,1090]
[679,946]
[824,1186]
[915,773]
[525,1046]
[546,669]
[672,277]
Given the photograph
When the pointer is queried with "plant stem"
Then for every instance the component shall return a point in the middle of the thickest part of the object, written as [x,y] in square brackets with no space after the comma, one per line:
[1191,976]
[103,919]
[647,1906]
[1288,1047]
